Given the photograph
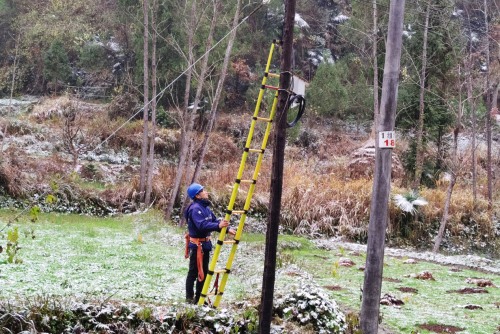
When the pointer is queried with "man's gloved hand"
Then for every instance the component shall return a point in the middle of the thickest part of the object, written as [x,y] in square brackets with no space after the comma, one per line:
[223,223]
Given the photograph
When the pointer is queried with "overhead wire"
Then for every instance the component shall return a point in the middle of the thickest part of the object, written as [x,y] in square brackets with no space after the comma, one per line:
[160,94]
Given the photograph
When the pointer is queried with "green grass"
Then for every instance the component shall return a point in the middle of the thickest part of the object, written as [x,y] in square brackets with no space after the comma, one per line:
[92,185]
[139,258]
[432,303]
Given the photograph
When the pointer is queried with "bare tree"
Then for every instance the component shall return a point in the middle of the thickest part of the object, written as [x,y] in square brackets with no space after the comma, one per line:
[472,106]
[74,139]
[218,93]
[190,138]
[190,27]
[382,177]
[145,111]
[420,128]
[453,169]
[197,99]
[14,69]
[152,133]
[489,94]
[12,86]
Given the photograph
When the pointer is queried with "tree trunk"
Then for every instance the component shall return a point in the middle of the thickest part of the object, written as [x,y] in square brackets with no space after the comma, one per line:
[268,277]
[472,107]
[444,218]
[190,28]
[382,177]
[144,145]
[14,68]
[455,167]
[218,93]
[419,160]
[12,86]
[152,134]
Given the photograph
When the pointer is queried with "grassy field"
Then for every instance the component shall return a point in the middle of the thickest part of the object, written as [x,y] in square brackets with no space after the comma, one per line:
[139,258]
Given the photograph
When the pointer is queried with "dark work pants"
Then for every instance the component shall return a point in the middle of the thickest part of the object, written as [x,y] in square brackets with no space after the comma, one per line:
[192,275]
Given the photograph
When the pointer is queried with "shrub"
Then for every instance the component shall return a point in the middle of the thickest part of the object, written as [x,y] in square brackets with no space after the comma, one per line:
[46,314]
[124,105]
[92,56]
[308,304]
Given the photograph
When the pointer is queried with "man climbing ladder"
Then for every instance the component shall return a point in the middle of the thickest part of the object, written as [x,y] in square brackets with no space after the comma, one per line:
[201,222]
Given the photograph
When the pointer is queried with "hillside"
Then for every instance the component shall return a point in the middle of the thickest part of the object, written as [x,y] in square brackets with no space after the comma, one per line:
[327,175]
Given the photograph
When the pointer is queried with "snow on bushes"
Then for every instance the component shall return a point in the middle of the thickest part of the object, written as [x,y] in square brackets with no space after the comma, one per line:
[309,304]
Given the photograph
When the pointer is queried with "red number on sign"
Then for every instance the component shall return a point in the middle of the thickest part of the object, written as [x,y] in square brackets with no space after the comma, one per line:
[389,143]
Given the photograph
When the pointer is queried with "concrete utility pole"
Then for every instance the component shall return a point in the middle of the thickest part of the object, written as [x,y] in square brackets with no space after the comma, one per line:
[279,134]
[384,141]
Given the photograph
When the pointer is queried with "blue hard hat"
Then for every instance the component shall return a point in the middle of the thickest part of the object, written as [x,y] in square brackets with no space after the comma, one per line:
[194,189]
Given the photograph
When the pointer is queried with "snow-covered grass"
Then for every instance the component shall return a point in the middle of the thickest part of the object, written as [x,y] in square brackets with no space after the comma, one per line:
[139,258]
[133,257]
[433,303]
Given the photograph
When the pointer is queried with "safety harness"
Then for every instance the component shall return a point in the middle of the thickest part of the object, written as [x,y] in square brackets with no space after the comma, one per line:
[199,253]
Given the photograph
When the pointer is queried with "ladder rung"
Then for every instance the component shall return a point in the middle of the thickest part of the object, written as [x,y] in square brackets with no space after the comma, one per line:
[221,271]
[235,241]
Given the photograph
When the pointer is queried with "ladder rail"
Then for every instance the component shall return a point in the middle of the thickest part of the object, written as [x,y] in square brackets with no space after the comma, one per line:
[246,207]
[234,194]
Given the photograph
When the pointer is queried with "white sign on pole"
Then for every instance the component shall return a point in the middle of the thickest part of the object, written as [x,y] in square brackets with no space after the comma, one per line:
[299,86]
[386,139]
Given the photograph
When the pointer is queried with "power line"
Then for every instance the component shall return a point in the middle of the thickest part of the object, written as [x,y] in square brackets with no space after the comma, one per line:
[160,94]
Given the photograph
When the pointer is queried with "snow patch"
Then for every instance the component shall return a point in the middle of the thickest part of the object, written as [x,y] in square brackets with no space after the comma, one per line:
[300,22]
[340,18]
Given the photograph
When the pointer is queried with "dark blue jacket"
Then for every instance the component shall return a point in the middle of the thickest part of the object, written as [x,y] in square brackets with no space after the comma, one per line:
[201,222]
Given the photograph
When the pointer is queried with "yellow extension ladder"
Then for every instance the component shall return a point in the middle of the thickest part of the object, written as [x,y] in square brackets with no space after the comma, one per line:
[230,208]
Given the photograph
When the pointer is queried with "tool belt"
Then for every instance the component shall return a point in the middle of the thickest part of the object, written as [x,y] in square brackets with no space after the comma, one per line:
[199,253]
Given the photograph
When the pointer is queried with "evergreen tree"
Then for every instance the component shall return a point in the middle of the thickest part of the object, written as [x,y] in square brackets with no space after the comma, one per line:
[56,65]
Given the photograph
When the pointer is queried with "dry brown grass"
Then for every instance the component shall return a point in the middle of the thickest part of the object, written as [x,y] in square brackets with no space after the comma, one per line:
[325,204]
[22,174]
[221,149]
[318,195]
[319,198]
[10,181]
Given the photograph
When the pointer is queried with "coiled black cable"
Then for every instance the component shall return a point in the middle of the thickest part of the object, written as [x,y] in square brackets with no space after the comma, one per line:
[295,98]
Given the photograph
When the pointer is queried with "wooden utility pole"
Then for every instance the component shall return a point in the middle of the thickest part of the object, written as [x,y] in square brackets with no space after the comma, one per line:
[382,179]
[279,135]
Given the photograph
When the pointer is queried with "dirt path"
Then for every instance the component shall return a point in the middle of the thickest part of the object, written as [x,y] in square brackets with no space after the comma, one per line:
[469,261]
